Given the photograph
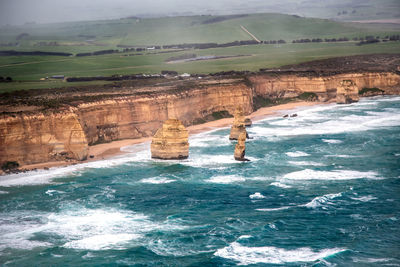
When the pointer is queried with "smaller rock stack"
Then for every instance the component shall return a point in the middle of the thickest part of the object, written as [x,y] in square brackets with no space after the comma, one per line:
[240,148]
[248,122]
[170,141]
[238,124]
[347,92]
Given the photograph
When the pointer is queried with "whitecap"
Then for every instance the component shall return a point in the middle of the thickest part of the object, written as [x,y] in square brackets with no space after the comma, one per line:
[278,184]
[306,163]
[275,209]
[157,180]
[3,192]
[309,174]
[80,228]
[372,260]
[227,179]
[209,140]
[244,237]
[272,255]
[297,154]
[257,195]
[364,198]
[332,141]
[102,242]
[51,192]
[322,201]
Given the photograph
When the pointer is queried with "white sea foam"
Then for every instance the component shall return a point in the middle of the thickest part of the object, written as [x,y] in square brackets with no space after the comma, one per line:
[313,122]
[91,229]
[244,237]
[309,174]
[364,198]
[102,242]
[157,180]
[257,195]
[332,141]
[340,156]
[373,260]
[297,154]
[322,201]
[272,255]
[3,192]
[306,163]
[275,209]
[227,179]
[48,176]
[281,185]
[53,192]
[207,140]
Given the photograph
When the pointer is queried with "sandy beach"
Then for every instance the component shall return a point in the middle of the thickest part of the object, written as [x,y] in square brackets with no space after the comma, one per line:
[104,151]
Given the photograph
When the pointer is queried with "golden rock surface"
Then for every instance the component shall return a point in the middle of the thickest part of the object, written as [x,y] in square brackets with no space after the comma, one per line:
[238,124]
[170,141]
[240,148]
[347,92]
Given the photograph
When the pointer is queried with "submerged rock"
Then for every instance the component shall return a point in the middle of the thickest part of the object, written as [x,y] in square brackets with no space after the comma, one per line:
[170,141]
[248,122]
[240,148]
[347,92]
[238,124]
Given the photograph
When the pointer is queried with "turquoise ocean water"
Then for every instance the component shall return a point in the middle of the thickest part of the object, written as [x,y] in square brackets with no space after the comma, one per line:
[321,189]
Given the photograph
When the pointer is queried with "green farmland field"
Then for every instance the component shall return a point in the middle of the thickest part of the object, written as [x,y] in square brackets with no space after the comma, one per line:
[27,71]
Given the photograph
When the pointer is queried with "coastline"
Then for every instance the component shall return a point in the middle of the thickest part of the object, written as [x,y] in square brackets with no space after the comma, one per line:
[112,149]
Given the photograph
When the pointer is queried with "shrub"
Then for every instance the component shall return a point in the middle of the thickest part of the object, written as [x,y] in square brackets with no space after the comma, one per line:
[370,91]
[9,166]
[308,96]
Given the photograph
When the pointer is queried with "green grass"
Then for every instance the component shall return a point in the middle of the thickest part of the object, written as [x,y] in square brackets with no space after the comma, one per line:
[177,30]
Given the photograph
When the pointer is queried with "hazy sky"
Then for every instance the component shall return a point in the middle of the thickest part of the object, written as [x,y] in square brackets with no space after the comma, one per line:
[45,11]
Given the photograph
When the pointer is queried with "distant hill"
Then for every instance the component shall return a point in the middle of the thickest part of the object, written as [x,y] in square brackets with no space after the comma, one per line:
[83,36]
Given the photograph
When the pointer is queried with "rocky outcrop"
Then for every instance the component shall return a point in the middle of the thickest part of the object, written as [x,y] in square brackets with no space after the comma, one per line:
[238,125]
[240,147]
[170,141]
[29,139]
[347,92]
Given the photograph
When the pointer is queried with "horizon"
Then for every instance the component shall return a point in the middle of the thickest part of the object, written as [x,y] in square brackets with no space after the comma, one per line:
[21,12]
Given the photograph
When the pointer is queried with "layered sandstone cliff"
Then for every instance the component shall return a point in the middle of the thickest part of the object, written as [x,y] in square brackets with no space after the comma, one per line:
[41,137]
[325,87]
[34,137]
[347,92]
[170,141]
[141,115]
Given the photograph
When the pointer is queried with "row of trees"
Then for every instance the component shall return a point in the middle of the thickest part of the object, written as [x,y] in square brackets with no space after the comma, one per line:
[98,53]
[5,79]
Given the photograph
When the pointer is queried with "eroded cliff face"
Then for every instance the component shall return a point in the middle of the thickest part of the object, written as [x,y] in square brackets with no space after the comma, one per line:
[325,87]
[37,138]
[141,116]
[33,137]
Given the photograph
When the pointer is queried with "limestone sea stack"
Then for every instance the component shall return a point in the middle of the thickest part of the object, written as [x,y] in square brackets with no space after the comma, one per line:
[240,148]
[238,124]
[347,92]
[170,141]
[248,122]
